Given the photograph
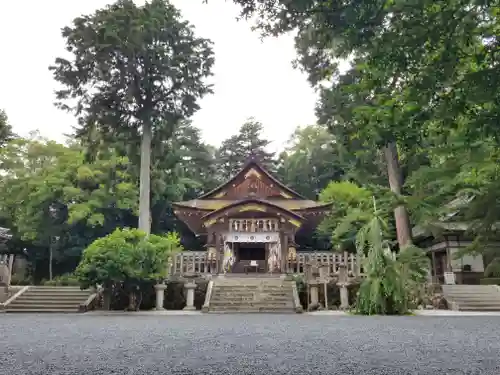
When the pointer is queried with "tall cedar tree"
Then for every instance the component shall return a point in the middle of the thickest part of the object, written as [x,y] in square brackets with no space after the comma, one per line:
[134,70]
[235,150]
[5,129]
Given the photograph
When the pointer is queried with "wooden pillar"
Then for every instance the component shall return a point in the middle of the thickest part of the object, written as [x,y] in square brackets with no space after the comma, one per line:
[217,251]
[434,268]
[284,252]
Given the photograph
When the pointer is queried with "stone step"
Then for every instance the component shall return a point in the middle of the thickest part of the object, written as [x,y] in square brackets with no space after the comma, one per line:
[57,292]
[475,297]
[32,310]
[226,292]
[53,296]
[479,308]
[249,299]
[477,303]
[251,303]
[483,296]
[250,283]
[42,306]
[30,296]
[251,311]
[39,301]
[243,285]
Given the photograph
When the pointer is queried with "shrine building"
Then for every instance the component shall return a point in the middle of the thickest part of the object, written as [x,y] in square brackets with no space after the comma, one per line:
[248,224]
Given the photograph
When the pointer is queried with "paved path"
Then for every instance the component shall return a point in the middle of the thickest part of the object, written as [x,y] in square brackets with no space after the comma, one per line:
[248,344]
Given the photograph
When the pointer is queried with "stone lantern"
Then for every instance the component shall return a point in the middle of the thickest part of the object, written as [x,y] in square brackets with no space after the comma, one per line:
[342,283]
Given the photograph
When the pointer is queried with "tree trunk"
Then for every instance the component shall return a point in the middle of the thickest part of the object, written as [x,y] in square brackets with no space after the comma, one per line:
[395,174]
[145,179]
[50,260]
[132,301]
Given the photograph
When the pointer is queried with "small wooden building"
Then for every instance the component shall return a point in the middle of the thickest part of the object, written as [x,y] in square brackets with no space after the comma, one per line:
[442,247]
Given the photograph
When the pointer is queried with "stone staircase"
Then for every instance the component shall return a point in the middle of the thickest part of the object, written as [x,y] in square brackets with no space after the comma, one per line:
[473,297]
[251,295]
[50,299]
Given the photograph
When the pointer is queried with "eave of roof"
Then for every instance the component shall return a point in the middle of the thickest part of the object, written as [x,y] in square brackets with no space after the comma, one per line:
[287,204]
[255,201]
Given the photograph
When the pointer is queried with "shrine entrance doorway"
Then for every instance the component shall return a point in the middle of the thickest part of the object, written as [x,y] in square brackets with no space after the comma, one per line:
[250,257]
[250,251]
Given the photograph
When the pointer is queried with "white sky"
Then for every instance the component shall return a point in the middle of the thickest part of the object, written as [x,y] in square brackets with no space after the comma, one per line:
[252,77]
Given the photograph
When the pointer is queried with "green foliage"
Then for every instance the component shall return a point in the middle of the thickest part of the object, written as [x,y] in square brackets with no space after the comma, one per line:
[467,178]
[310,161]
[6,133]
[135,72]
[46,176]
[391,281]
[131,63]
[127,256]
[490,281]
[236,150]
[62,280]
[351,210]
[493,269]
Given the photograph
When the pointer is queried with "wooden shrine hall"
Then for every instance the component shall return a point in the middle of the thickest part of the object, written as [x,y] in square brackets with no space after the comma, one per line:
[248,225]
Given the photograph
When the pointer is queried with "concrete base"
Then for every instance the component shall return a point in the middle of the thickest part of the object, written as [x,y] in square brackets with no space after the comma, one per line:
[189,308]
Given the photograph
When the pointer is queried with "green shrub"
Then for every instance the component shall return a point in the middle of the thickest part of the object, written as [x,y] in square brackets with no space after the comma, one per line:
[127,260]
[490,281]
[493,269]
[391,282]
[68,279]
[18,279]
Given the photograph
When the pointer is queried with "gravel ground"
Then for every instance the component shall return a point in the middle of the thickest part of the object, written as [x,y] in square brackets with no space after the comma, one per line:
[248,344]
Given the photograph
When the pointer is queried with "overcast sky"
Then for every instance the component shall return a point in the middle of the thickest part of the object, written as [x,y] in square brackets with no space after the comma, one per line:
[252,77]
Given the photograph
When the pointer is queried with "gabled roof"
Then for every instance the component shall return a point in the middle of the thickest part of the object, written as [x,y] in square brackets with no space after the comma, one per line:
[249,202]
[253,163]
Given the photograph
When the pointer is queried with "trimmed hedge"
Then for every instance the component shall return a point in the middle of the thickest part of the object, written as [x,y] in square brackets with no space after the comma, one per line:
[67,279]
[490,281]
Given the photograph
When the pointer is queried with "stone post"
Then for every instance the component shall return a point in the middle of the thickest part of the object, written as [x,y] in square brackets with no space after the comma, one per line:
[314,293]
[342,284]
[190,286]
[160,295]
[4,281]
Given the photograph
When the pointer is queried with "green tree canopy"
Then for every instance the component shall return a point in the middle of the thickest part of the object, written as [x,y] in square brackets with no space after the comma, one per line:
[135,70]
[236,150]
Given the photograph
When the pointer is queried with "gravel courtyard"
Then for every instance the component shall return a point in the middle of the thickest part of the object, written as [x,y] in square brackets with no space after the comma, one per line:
[248,344]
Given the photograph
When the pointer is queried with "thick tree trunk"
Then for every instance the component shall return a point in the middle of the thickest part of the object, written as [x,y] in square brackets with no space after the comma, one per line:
[145,179]
[131,301]
[50,260]
[396,184]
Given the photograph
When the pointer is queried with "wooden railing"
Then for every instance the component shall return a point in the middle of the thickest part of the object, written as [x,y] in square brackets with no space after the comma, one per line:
[198,262]
[194,262]
[253,225]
